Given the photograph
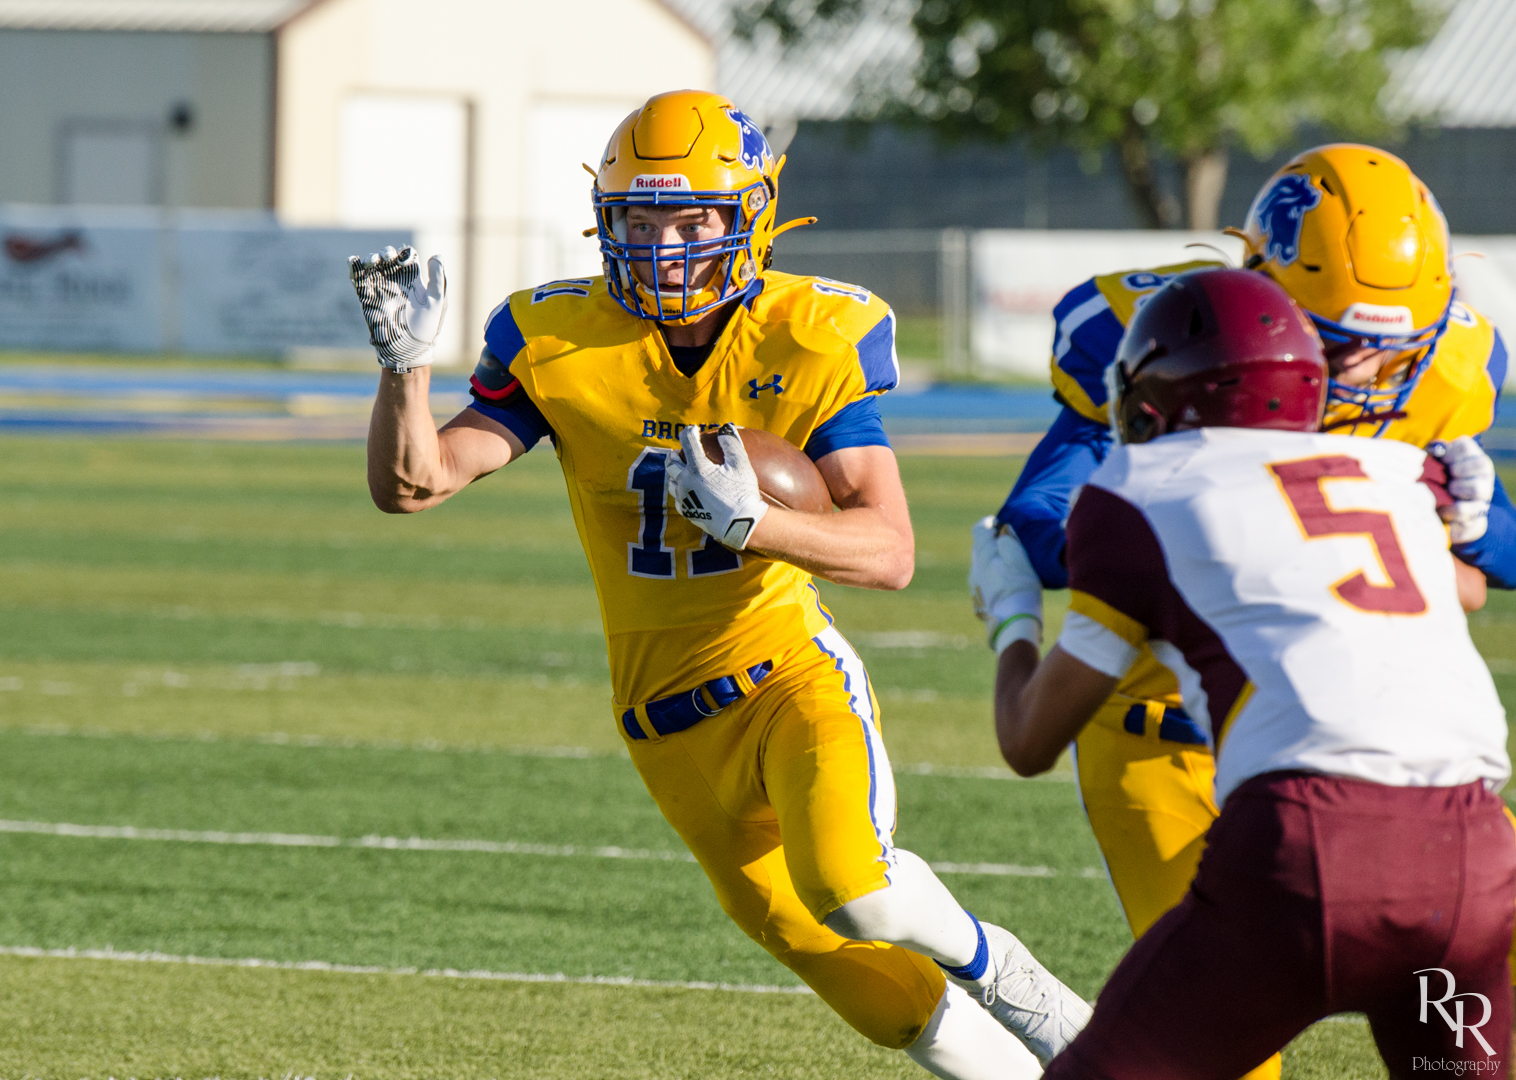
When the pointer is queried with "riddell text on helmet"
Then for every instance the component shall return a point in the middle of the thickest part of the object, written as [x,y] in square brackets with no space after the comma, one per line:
[1378,318]
[666,182]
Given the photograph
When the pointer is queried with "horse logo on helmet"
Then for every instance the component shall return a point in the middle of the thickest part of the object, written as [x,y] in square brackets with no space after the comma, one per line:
[1280,212]
[755,152]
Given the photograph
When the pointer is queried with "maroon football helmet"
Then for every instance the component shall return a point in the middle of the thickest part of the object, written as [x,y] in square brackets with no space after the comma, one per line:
[1217,348]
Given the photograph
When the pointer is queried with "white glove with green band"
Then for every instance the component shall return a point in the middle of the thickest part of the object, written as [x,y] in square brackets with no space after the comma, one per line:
[1007,591]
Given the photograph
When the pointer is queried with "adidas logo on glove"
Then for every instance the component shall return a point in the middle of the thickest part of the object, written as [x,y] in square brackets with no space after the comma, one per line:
[692,510]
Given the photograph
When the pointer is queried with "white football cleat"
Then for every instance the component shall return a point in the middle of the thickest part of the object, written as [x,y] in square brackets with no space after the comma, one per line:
[1025,997]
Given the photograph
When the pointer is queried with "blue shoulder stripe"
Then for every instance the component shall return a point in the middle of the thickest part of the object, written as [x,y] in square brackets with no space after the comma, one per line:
[876,355]
[1073,298]
[1085,342]
[1497,364]
[502,335]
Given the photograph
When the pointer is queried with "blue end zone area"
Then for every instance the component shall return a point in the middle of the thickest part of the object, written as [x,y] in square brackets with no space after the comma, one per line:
[968,409]
[143,398]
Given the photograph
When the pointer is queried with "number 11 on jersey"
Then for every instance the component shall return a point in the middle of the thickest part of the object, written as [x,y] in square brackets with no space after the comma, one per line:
[648,556]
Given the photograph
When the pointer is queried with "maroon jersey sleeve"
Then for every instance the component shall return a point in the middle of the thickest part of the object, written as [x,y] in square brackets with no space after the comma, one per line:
[1116,562]
[1121,579]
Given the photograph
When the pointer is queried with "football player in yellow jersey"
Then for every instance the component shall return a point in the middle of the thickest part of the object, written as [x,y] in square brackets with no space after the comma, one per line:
[1359,242]
[748,715]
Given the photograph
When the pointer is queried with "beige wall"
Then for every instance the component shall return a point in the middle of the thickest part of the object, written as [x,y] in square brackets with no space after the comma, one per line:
[52,79]
[506,58]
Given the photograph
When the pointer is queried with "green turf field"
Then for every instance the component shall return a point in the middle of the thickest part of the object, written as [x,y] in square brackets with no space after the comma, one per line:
[245,716]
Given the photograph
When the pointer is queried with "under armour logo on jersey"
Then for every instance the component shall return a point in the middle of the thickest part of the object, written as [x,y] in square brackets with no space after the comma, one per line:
[1280,212]
[773,384]
[692,508]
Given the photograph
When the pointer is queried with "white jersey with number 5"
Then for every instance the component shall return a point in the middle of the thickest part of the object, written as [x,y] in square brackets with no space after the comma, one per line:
[1301,589]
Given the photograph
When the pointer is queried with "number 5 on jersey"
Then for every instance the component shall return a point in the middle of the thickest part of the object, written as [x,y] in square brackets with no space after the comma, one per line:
[648,556]
[1300,483]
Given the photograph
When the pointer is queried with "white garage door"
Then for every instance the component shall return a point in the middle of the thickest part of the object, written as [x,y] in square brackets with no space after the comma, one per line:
[563,137]
[404,164]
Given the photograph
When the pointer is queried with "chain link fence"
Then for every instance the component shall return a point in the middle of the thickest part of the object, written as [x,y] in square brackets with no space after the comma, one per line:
[922,273]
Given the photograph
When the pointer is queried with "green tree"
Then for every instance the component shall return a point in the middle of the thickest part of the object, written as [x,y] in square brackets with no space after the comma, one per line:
[1188,79]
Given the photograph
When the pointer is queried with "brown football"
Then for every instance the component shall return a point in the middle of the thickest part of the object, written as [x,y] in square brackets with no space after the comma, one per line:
[786,477]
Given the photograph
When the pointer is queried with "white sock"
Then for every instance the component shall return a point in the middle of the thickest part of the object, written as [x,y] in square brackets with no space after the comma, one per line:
[915,911]
[964,1042]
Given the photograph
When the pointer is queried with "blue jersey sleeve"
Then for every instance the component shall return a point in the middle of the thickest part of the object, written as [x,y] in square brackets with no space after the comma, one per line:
[1038,505]
[1494,553]
[857,424]
[1496,365]
[876,356]
[497,393]
[519,416]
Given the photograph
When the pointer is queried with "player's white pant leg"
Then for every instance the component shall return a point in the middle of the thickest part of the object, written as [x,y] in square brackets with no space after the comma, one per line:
[915,911]
[963,1042]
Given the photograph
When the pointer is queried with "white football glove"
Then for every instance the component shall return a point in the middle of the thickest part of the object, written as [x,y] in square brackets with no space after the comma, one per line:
[404,314]
[1471,482]
[1007,591]
[722,500]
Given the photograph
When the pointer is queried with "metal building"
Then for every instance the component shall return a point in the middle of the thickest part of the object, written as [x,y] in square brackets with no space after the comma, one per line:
[464,119]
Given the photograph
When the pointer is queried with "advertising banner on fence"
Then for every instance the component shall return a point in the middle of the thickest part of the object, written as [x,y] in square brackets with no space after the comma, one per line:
[252,287]
[1018,275]
[196,282]
[81,282]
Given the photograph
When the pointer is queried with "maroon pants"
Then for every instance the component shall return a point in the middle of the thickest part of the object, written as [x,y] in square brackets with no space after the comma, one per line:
[1318,895]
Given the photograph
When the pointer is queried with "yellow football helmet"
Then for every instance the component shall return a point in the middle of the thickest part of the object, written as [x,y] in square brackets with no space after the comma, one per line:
[1359,243]
[687,148]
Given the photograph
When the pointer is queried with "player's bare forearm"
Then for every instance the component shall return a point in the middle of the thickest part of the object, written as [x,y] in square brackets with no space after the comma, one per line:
[860,546]
[412,465]
[1040,706]
[868,543]
[1473,587]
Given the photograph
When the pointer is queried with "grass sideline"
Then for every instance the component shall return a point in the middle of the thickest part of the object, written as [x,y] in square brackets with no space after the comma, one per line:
[228,636]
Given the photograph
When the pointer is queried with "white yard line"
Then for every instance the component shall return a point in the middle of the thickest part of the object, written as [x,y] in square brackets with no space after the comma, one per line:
[977,772]
[280,738]
[387,843]
[434,973]
[355,969]
[416,843]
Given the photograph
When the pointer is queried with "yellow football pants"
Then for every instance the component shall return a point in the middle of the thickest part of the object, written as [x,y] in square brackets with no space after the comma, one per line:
[1149,802]
[786,799]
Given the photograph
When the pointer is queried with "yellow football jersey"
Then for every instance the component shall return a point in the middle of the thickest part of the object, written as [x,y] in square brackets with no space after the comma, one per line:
[680,609]
[1454,396]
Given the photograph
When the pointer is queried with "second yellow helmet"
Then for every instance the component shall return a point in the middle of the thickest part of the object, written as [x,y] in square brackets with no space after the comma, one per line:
[1358,241]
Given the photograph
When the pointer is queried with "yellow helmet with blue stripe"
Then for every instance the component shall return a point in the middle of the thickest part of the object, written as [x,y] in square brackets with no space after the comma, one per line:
[1359,242]
[687,148]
